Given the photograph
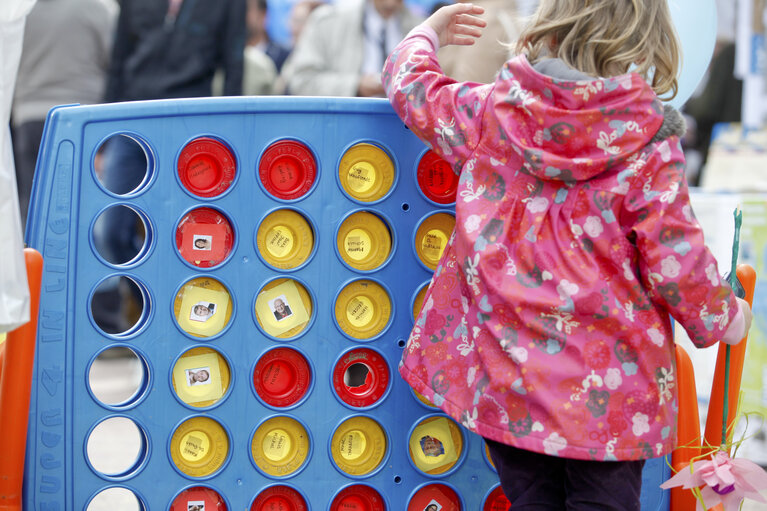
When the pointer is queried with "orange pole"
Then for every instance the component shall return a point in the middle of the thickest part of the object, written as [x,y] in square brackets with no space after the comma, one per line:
[688,429]
[15,387]
[713,435]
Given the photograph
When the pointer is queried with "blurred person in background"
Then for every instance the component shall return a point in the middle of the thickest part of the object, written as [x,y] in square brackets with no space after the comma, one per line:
[342,48]
[259,38]
[64,60]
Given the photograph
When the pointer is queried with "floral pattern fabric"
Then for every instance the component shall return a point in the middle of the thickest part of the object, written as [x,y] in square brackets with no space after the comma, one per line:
[546,325]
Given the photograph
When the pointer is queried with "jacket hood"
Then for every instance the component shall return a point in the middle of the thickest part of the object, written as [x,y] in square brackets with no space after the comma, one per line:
[571,127]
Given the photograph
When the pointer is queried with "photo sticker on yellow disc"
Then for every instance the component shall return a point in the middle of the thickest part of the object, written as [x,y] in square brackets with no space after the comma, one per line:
[283,308]
[433,445]
[200,377]
[202,307]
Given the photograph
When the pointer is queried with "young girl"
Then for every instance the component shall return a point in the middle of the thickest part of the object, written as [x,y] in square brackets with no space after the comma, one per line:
[546,327]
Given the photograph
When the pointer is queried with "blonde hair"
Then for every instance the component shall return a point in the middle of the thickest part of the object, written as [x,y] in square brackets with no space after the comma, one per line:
[606,38]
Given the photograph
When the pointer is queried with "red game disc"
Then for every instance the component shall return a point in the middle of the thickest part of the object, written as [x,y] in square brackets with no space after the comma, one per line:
[358,498]
[496,501]
[442,495]
[287,169]
[361,377]
[206,167]
[198,498]
[279,498]
[204,237]
[282,377]
[436,179]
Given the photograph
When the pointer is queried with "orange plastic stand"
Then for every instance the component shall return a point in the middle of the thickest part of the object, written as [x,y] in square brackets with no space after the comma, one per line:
[15,382]
[688,422]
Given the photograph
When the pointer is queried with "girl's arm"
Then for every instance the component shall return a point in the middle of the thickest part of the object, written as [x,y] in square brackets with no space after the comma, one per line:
[442,112]
[674,262]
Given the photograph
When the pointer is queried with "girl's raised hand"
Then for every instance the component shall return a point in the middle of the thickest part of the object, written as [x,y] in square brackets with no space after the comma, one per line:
[457,23]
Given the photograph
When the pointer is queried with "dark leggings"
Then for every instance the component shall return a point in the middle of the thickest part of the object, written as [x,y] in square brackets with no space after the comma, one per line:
[537,482]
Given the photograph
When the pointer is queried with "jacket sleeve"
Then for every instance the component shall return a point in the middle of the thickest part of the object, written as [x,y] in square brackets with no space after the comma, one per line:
[675,265]
[233,48]
[442,112]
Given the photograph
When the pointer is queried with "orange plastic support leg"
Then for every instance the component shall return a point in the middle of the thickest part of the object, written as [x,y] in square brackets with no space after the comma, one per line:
[713,435]
[688,429]
[15,386]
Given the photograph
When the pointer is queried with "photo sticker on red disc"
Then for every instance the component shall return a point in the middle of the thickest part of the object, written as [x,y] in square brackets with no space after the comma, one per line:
[361,377]
[439,497]
[436,179]
[282,377]
[206,167]
[287,169]
[198,498]
[204,237]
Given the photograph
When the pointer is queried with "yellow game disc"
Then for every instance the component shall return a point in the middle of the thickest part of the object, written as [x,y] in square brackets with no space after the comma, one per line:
[285,239]
[488,457]
[363,309]
[201,377]
[203,307]
[418,301]
[363,241]
[423,400]
[280,446]
[283,308]
[432,236]
[435,445]
[199,446]
[358,446]
[366,172]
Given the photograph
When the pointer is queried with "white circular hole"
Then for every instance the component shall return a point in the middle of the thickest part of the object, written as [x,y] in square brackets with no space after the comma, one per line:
[116,446]
[116,376]
[115,499]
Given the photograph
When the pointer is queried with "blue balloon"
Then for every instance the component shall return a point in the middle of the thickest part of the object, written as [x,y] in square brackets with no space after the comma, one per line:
[695,22]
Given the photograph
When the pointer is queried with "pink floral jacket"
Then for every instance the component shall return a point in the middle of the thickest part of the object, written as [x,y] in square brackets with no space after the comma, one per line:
[546,325]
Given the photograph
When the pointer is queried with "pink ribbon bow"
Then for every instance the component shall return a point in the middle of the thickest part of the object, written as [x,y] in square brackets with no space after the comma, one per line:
[722,480]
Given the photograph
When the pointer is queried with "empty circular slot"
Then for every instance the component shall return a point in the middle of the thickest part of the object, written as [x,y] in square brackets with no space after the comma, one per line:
[496,501]
[363,309]
[204,237]
[436,179]
[287,169]
[115,497]
[199,447]
[121,234]
[361,377]
[285,239]
[366,172]
[282,377]
[201,377]
[280,446]
[206,167]
[364,241]
[431,238]
[283,308]
[436,445]
[122,164]
[116,447]
[438,496]
[203,307]
[358,497]
[279,498]
[358,446]
[119,305]
[118,376]
[198,498]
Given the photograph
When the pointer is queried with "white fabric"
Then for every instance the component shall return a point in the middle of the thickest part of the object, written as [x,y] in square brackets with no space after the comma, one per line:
[14,290]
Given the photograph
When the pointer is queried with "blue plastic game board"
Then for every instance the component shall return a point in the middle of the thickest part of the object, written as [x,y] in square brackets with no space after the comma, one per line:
[323,418]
